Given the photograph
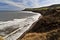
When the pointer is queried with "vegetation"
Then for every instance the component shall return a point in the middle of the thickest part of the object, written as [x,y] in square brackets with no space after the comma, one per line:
[52,35]
[48,27]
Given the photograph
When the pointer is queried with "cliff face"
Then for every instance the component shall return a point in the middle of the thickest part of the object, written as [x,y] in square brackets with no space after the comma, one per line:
[50,19]
[49,22]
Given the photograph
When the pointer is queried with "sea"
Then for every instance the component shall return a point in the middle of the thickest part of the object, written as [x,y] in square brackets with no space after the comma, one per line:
[10,15]
[10,20]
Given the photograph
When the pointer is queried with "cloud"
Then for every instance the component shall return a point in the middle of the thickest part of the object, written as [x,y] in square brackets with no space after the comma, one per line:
[49,2]
[33,3]
[30,3]
[40,3]
[20,5]
[23,3]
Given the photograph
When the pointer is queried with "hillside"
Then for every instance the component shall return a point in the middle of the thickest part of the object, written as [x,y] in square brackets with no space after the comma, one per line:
[49,22]
[45,10]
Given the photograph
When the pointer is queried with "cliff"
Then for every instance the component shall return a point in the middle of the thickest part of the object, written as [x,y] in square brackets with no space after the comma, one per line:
[49,22]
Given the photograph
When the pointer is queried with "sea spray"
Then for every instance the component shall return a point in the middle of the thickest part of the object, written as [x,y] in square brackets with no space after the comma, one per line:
[9,26]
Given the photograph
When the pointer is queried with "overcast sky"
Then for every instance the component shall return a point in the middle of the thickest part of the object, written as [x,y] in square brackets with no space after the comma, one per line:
[21,4]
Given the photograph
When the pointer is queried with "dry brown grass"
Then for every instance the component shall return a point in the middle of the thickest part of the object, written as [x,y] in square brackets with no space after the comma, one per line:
[52,35]
[34,36]
[1,38]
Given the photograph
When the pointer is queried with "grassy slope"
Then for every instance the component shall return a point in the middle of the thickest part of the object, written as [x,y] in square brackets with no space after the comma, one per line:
[49,22]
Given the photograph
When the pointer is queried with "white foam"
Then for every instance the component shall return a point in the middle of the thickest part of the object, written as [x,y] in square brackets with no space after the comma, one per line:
[19,32]
[22,25]
[10,23]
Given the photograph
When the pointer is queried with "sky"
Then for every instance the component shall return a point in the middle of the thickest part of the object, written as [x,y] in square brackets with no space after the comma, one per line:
[22,4]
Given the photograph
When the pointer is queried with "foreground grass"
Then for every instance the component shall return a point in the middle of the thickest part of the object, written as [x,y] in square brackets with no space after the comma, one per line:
[52,35]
